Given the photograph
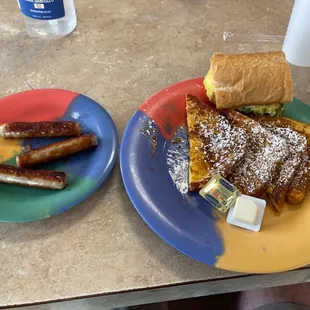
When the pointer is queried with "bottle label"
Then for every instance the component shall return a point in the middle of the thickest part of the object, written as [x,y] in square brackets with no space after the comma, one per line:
[42,9]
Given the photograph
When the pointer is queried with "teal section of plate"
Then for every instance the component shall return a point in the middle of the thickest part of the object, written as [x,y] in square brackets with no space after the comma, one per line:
[31,203]
[297,110]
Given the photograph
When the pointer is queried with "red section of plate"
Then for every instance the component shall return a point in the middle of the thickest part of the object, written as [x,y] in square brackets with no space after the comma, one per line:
[169,112]
[35,106]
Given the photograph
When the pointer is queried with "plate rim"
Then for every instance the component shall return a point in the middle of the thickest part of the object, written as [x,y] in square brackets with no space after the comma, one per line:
[108,168]
[133,199]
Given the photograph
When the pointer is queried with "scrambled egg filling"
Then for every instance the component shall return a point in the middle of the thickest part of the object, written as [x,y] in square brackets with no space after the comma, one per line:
[273,109]
[209,86]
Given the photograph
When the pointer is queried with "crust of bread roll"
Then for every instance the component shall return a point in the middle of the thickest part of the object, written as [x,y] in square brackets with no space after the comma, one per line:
[250,79]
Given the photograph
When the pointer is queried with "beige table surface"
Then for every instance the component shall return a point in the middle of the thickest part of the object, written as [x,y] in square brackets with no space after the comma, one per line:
[120,54]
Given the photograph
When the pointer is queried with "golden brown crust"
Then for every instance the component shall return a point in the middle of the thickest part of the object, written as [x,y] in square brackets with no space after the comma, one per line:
[277,196]
[265,153]
[215,146]
[199,169]
[296,191]
[285,122]
[21,130]
[56,151]
[250,79]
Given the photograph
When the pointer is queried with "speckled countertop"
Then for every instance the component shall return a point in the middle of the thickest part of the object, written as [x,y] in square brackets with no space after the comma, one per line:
[120,54]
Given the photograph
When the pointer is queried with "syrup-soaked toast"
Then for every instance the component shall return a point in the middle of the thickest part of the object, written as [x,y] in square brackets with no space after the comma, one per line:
[297,145]
[215,146]
[298,187]
[266,152]
[285,122]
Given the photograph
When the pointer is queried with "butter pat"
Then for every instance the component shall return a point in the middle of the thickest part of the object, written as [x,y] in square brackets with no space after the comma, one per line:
[219,193]
[247,213]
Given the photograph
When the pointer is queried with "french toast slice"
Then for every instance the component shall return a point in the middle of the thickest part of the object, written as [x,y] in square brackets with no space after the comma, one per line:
[215,146]
[297,145]
[266,153]
[285,122]
[299,184]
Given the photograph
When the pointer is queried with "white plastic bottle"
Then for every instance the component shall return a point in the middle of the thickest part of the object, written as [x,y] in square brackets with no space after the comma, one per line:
[48,19]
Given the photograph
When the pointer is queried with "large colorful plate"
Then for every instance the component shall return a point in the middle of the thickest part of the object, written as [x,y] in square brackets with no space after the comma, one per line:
[154,168]
[85,171]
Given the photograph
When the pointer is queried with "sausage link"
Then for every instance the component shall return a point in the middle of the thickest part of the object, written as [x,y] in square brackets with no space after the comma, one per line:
[32,178]
[22,130]
[55,151]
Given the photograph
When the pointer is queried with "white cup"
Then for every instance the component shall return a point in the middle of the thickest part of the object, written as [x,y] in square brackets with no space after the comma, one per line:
[296,44]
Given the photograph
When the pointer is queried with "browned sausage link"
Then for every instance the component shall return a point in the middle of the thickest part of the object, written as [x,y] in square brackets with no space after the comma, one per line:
[21,130]
[32,178]
[56,151]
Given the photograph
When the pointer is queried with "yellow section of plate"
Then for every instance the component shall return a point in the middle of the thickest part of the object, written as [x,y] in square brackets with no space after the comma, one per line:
[280,244]
[9,148]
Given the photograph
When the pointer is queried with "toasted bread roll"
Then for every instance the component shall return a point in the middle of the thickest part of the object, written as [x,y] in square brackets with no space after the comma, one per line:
[249,79]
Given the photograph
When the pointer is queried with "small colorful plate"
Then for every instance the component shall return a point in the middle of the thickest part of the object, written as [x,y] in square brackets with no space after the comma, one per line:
[154,165]
[85,171]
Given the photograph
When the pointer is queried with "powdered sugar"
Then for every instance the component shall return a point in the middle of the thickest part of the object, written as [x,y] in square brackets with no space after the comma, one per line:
[296,142]
[148,129]
[223,144]
[177,160]
[297,145]
[265,152]
[301,178]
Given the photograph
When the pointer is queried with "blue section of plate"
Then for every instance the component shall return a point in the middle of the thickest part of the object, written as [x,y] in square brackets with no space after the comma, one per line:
[95,163]
[96,120]
[155,188]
